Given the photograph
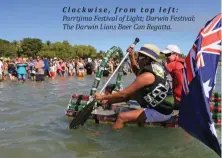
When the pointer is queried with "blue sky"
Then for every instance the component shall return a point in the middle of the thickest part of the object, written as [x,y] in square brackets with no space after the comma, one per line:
[43,19]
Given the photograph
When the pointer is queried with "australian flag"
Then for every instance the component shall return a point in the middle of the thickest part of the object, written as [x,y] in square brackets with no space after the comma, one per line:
[199,81]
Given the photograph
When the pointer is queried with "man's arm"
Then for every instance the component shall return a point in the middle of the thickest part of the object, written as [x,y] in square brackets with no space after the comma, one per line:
[133,62]
[134,66]
[124,95]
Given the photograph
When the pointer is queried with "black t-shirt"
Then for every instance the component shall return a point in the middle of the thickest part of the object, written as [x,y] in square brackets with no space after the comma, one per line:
[153,96]
[11,67]
[89,68]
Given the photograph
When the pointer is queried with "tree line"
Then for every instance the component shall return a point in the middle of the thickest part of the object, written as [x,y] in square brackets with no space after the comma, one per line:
[32,47]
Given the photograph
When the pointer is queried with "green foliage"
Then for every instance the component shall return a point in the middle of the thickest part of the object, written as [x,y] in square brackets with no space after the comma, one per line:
[83,51]
[31,46]
[47,53]
[101,54]
[7,49]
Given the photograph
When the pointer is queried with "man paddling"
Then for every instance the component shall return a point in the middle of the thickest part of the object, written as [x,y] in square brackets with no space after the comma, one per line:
[149,89]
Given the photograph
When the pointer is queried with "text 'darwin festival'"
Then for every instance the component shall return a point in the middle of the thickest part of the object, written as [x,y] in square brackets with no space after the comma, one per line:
[127,18]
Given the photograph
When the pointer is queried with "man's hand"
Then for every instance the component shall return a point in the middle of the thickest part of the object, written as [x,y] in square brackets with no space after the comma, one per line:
[130,50]
[98,96]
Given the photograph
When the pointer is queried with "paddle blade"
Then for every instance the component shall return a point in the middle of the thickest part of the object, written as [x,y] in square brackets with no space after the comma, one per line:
[136,41]
[82,116]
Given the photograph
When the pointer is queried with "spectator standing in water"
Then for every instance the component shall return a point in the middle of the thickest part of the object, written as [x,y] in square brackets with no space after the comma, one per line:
[21,70]
[106,71]
[52,71]
[39,66]
[95,66]
[81,68]
[110,63]
[71,68]
[5,72]
[11,70]
[1,68]
[46,67]
[89,67]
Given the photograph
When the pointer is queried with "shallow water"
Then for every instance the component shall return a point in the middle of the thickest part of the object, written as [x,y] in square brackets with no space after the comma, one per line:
[33,124]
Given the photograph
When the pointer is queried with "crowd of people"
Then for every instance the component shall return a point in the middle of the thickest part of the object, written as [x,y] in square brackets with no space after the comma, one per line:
[36,69]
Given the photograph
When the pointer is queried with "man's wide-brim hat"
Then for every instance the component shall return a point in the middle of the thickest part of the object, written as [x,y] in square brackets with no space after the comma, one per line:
[150,50]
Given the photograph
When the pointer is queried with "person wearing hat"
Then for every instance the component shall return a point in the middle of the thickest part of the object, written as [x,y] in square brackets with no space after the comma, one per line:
[175,68]
[149,89]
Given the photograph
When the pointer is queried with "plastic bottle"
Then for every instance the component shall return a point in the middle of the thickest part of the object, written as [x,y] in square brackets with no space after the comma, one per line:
[74,99]
[72,103]
[212,107]
[85,99]
[219,109]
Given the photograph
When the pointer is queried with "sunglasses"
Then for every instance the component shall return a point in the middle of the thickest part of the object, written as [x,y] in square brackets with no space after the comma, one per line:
[169,54]
[140,57]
